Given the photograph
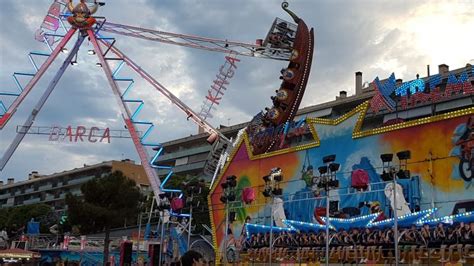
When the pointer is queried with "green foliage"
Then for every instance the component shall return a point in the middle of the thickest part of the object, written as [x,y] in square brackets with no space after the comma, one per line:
[201,212]
[146,202]
[16,217]
[106,203]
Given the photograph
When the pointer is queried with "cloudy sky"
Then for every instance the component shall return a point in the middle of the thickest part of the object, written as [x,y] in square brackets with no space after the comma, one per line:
[376,37]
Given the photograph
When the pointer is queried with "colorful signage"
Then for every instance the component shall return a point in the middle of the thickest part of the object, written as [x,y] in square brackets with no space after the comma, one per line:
[282,134]
[419,91]
[80,133]
[214,95]
[50,23]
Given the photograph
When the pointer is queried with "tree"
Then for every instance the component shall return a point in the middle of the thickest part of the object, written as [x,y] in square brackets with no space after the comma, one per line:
[201,212]
[107,201]
[15,218]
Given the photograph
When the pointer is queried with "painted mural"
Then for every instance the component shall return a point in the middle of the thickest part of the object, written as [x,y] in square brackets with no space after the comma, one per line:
[440,171]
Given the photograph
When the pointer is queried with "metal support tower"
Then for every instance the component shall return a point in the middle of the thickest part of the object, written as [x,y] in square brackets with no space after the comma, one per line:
[6,114]
[19,136]
[163,90]
[127,116]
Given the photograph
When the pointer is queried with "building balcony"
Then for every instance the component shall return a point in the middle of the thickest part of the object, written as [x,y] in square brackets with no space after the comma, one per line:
[184,168]
[7,205]
[61,197]
[4,196]
[32,190]
[183,153]
[31,201]
[76,192]
[49,198]
[79,180]
[46,187]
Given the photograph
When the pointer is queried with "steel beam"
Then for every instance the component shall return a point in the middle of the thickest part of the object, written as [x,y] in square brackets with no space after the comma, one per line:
[165,92]
[126,115]
[209,44]
[13,107]
[31,118]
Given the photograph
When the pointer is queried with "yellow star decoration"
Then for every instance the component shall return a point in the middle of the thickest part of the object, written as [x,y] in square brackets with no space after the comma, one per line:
[357,133]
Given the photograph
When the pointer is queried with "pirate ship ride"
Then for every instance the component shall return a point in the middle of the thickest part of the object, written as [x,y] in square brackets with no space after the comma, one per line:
[294,80]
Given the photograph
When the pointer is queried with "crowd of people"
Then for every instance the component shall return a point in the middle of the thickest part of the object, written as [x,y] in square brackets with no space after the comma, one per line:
[360,245]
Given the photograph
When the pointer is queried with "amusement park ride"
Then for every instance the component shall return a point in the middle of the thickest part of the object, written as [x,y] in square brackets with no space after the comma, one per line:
[272,137]
[285,41]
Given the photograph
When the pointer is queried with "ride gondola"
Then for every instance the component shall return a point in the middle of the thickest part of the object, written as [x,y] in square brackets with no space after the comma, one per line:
[294,80]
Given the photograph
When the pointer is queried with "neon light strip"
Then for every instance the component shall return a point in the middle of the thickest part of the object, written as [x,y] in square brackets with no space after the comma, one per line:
[133,117]
[425,213]
[36,77]
[449,218]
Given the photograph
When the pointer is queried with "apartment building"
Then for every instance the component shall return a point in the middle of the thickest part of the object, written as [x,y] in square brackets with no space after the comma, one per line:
[52,189]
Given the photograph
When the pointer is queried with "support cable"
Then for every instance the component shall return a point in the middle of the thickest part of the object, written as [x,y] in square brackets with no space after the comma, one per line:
[197,42]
